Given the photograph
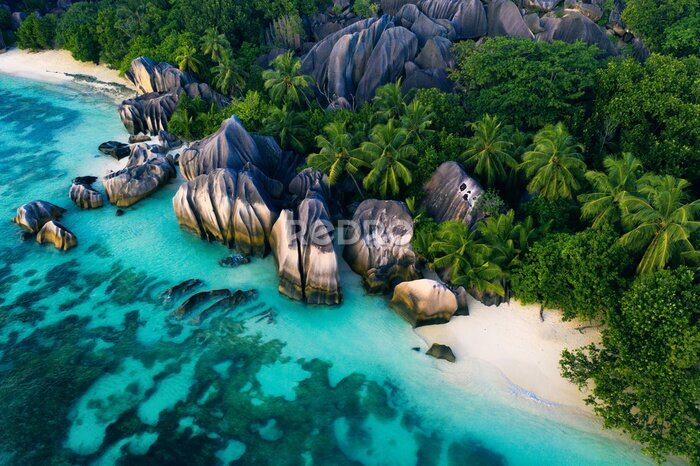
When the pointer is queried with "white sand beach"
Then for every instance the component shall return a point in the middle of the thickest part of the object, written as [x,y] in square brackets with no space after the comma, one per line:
[57,66]
[513,340]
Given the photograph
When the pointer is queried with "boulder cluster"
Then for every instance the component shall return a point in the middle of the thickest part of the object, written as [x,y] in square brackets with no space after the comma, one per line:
[40,218]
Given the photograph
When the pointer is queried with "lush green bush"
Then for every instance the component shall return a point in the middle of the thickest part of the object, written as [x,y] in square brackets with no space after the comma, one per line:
[529,84]
[562,215]
[448,113]
[37,34]
[646,377]
[652,110]
[662,23]
[77,32]
[580,273]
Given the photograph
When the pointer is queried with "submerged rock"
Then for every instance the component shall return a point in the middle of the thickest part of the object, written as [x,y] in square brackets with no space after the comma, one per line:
[198,298]
[33,215]
[56,234]
[424,302]
[439,351]
[83,195]
[234,260]
[227,206]
[135,182]
[115,149]
[382,251]
[181,289]
[451,194]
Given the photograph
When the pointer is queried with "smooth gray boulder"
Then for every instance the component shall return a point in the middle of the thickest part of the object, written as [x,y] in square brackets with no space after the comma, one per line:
[429,78]
[395,47]
[58,235]
[504,19]
[83,194]
[229,207]
[149,76]
[309,180]
[424,27]
[135,182]
[544,5]
[33,215]
[468,17]
[378,244]
[451,194]
[284,242]
[148,113]
[574,27]
[439,351]
[230,147]
[436,54]
[424,302]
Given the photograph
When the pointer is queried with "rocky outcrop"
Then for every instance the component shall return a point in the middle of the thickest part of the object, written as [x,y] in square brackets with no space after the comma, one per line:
[587,9]
[115,149]
[168,141]
[451,194]
[227,206]
[82,193]
[467,17]
[33,215]
[436,54]
[378,244]
[138,181]
[303,248]
[573,27]
[439,351]
[424,302]
[159,86]
[56,234]
[545,5]
[504,19]
[230,147]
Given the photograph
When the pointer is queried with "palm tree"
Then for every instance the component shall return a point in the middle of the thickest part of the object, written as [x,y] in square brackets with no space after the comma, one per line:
[455,247]
[554,165]
[227,77]
[284,82]
[603,205]
[488,151]
[390,153]
[416,120]
[388,101]
[662,223]
[336,157]
[508,239]
[215,45]
[288,126]
[187,59]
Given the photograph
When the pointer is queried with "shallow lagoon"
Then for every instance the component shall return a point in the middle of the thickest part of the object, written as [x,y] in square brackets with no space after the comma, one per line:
[93,369]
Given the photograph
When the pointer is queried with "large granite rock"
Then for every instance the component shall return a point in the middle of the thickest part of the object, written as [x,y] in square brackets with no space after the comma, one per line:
[573,27]
[303,248]
[83,194]
[148,113]
[230,147]
[33,215]
[378,244]
[504,19]
[424,302]
[138,181]
[148,76]
[545,5]
[467,17]
[227,206]
[436,54]
[58,235]
[451,194]
[424,27]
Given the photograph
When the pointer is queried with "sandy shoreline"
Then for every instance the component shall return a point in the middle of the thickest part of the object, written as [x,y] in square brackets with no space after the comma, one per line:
[58,66]
[513,341]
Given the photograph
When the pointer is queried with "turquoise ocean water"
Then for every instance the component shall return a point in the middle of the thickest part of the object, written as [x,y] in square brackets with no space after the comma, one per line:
[93,370]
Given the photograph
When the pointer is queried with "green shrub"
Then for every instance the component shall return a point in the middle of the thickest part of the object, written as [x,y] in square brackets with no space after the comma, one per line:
[37,34]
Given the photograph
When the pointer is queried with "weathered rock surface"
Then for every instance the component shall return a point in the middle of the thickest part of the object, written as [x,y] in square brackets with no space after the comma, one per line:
[115,149]
[230,147]
[168,141]
[303,248]
[439,351]
[227,206]
[504,19]
[424,302]
[33,215]
[436,54]
[83,194]
[382,251]
[467,17]
[56,234]
[545,5]
[138,181]
[148,113]
[451,194]
[573,27]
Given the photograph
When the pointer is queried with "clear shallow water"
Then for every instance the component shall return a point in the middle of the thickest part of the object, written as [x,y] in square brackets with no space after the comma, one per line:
[94,371]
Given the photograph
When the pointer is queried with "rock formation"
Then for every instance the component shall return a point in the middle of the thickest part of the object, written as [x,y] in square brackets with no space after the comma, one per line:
[115,149]
[574,26]
[83,194]
[227,206]
[58,235]
[230,147]
[381,252]
[451,194]
[159,86]
[424,302]
[139,179]
[504,19]
[439,351]
[303,248]
[33,215]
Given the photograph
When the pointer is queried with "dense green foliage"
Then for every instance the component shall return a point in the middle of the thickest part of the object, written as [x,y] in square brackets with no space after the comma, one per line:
[529,84]
[646,375]
[580,273]
[669,26]
[37,34]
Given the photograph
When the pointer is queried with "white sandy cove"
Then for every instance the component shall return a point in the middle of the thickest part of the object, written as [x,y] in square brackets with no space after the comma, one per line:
[55,66]
[512,339]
